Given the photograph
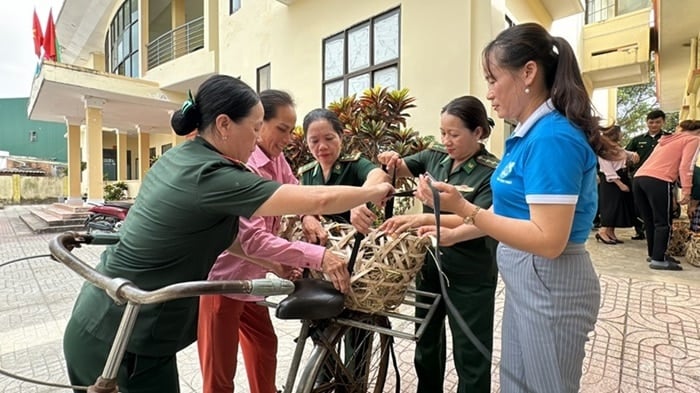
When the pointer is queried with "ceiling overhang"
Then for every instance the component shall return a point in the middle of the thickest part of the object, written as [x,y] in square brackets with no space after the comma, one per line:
[60,90]
[675,28]
[81,27]
[558,9]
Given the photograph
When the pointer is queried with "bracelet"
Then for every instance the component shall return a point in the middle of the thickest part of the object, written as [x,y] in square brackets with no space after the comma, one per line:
[469,220]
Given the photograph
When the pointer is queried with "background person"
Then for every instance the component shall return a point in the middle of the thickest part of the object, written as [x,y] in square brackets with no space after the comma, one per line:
[544,200]
[470,265]
[674,157]
[643,145]
[186,214]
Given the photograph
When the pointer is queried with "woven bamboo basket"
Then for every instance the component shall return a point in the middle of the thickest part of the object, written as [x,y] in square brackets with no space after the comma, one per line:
[692,252]
[680,235]
[384,268]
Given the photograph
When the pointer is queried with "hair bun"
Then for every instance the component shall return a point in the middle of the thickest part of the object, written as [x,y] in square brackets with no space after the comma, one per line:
[186,119]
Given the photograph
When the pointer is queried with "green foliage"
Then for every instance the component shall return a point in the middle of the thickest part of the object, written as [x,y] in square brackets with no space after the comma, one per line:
[116,191]
[633,105]
[373,123]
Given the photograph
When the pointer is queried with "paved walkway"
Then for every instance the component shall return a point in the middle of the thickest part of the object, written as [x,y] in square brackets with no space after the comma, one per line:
[647,338]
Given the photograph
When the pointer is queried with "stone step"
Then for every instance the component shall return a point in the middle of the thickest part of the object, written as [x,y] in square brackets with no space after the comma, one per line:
[54,218]
[37,225]
[82,209]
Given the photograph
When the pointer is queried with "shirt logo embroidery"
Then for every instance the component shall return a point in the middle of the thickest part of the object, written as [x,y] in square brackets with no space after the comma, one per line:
[505,172]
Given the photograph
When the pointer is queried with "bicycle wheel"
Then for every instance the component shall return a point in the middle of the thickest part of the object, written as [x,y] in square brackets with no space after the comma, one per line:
[335,365]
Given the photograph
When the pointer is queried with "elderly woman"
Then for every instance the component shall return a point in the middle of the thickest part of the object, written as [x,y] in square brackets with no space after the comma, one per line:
[187,213]
[469,265]
[544,200]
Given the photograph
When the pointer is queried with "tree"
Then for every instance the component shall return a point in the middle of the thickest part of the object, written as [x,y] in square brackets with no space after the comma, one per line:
[633,104]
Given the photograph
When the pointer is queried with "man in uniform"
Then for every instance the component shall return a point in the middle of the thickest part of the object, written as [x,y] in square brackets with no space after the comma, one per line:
[643,145]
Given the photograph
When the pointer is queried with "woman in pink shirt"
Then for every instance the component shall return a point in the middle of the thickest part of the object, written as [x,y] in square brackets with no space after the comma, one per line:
[673,158]
[226,321]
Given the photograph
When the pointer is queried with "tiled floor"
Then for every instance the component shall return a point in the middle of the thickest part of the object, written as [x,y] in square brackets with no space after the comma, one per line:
[646,340]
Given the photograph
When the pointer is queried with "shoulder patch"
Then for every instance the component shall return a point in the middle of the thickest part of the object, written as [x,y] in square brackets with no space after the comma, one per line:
[306,168]
[350,157]
[438,147]
[488,160]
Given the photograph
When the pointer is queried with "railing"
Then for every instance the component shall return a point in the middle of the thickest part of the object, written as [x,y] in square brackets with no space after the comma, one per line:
[175,43]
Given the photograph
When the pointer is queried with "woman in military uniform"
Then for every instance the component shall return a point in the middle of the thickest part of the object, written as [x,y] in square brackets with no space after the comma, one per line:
[470,266]
[324,132]
[186,214]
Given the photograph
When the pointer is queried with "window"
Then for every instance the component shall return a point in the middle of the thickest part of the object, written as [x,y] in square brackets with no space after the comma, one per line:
[165,147]
[263,78]
[601,10]
[122,41]
[363,56]
[234,5]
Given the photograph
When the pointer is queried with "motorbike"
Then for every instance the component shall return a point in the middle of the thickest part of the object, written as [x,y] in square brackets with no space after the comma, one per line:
[107,217]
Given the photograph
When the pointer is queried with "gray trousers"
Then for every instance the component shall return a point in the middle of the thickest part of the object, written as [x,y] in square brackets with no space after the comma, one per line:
[550,307]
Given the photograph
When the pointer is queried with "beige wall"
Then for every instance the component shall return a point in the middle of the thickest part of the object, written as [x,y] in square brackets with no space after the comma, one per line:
[439,60]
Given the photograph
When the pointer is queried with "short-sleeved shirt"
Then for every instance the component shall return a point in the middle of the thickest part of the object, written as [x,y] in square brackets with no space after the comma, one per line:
[349,170]
[547,161]
[472,259]
[185,215]
[643,145]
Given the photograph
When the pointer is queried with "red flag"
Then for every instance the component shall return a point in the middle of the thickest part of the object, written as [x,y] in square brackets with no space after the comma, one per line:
[38,35]
[50,39]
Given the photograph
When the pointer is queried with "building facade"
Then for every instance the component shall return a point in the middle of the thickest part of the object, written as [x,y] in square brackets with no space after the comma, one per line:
[127,67]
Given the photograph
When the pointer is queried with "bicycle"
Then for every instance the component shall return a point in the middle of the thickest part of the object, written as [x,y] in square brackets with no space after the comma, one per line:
[124,292]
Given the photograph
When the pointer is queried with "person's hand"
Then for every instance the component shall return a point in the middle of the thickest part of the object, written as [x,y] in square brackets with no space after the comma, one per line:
[335,269]
[684,200]
[398,224]
[448,236]
[390,159]
[623,187]
[313,230]
[634,158]
[362,218]
[450,199]
[285,271]
[379,193]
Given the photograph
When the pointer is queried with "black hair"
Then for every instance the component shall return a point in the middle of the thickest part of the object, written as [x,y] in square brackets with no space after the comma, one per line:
[272,99]
[323,114]
[690,125]
[471,111]
[517,45]
[655,114]
[218,95]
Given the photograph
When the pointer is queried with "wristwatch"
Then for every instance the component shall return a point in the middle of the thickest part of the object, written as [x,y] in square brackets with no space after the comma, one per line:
[469,220]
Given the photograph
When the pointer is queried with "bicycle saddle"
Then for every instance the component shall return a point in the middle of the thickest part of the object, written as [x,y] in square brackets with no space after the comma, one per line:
[312,299]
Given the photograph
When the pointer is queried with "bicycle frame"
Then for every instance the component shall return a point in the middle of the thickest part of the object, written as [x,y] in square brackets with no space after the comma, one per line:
[124,292]
[352,320]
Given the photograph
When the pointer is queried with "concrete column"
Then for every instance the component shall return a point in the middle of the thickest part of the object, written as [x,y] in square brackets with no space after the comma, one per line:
[486,21]
[144,159]
[93,139]
[144,22]
[121,155]
[177,14]
[74,166]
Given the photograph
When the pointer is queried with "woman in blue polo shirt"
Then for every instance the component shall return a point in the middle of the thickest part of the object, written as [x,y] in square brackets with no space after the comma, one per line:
[544,200]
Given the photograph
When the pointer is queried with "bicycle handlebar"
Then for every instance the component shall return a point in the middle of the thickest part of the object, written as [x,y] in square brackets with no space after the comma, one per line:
[122,290]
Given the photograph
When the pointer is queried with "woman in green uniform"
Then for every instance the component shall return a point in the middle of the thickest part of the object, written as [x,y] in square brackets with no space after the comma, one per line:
[324,132]
[470,266]
[186,214]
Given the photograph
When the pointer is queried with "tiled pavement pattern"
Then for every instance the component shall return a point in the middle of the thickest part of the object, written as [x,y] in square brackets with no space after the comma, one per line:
[647,337]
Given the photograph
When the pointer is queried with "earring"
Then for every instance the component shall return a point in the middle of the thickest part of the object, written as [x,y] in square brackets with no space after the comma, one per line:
[225,137]
[527,90]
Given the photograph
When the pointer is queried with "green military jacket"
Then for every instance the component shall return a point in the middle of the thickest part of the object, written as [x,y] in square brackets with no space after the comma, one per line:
[643,145]
[472,259]
[185,215]
[351,170]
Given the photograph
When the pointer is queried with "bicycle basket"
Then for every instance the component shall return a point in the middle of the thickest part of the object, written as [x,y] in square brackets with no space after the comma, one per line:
[384,268]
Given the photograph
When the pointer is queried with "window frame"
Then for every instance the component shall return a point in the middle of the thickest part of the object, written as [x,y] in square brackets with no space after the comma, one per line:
[267,67]
[234,6]
[372,68]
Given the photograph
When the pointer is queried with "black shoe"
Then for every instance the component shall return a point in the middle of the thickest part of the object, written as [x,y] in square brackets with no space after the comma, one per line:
[669,258]
[599,238]
[639,236]
[657,265]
